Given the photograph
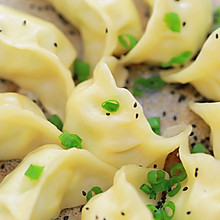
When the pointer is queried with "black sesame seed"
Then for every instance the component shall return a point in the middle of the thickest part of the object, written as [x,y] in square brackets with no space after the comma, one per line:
[104,218]
[203,141]
[96,217]
[191,134]
[184,23]
[87,208]
[196,172]
[207,138]
[55,44]
[24,22]
[216,36]
[66,217]
[106,30]
[193,125]
[2,166]
[122,213]
[135,104]
[164,113]
[174,118]
[0,30]
[188,213]
[83,193]
[195,138]
[155,166]
[185,188]
[107,113]
[181,98]
[172,92]
[137,115]
[193,144]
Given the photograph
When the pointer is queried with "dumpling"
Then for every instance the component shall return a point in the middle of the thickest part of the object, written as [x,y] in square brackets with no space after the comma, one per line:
[175,28]
[100,23]
[23,127]
[210,113]
[124,200]
[203,74]
[34,61]
[199,197]
[118,138]
[58,179]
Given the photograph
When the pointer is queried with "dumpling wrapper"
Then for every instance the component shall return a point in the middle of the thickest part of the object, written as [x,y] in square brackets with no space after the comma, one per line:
[23,127]
[210,113]
[160,44]
[100,23]
[124,200]
[65,175]
[34,61]
[202,198]
[123,137]
[203,74]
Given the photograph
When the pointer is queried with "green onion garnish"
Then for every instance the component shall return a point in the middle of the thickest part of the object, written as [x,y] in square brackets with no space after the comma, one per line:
[156,212]
[82,70]
[164,214]
[141,83]
[96,190]
[70,140]
[173,22]
[155,177]
[176,168]
[198,148]
[34,172]
[180,59]
[161,187]
[127,41]
[155,124]
[55,119]
[111,105]
[172,192]
[217,15]
[148,190]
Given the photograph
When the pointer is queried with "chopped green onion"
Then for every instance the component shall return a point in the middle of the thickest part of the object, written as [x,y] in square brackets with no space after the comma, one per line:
[175,190]
[82,70]
[141,83]
[96,190]
[178,167]
[55,119]
[111,105]
[156,212]
[173,22]
[198,148]
[70,140]
[180,59]
[34,172]
[155,124]
[155,177]
[127,41]
[148,190]
[163,186]
[164,214]
[217,15]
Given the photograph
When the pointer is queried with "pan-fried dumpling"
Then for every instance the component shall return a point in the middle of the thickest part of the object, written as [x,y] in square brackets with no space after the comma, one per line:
[100,23]
[124,200]
[118,138]
[34,61]
[23,127]
[50,179]
[203,74]
[174,30]
[199,197]
[210,113]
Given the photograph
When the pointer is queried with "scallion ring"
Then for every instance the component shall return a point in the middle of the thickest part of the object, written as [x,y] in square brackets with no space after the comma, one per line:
[155,124]
[127,41]
[70,140]
[34,172]
[172,192]
[155,177]
[156,212]
[178,168]
[111,105]
[96,190]
[163,186]
[55,119]
[164,214]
